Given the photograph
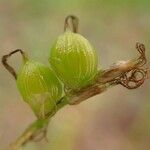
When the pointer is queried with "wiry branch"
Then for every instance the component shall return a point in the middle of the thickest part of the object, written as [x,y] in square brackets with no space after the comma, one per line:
[129,74]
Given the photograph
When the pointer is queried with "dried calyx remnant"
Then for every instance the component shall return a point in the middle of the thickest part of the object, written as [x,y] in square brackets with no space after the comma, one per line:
[136,77]
[129,74]
[7,66]
[72,23]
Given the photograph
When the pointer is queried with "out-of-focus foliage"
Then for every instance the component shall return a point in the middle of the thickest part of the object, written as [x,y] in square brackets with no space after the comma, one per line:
[115,120]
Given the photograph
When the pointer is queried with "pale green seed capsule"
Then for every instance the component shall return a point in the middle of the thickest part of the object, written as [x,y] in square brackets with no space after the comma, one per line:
[74,60]
[39,87]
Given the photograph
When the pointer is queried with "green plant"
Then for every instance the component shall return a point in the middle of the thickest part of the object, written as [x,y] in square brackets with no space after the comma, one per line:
[39,87]
[73,58]
[130,74]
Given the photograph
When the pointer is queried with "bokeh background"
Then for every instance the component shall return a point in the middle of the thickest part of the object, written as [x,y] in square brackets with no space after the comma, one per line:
[118,119]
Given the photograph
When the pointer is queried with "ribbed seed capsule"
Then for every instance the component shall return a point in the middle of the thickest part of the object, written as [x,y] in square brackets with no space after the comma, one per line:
[39,87]
[74,60]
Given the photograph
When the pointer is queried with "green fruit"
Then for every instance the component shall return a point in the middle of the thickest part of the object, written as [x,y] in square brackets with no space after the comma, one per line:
[74,60]
[39,87]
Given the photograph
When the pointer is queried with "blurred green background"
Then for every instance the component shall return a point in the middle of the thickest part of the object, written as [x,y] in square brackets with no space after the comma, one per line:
[118,119]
